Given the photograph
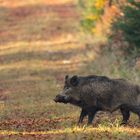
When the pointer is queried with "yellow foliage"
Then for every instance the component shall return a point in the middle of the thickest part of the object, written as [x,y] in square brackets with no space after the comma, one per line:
[92,17]
[93,30]
[99,4]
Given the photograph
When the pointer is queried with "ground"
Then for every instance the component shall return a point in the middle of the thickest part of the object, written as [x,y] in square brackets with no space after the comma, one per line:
[40,43]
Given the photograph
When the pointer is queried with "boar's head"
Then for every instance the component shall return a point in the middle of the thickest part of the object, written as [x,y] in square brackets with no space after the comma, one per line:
[70,90]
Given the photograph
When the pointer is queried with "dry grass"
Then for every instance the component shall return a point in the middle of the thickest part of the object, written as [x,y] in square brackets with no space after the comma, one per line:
[39,45]
[81,133]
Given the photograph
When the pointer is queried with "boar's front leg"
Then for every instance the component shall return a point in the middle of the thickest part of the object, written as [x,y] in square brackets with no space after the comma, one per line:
[91,113]
[126,115]
[82,115]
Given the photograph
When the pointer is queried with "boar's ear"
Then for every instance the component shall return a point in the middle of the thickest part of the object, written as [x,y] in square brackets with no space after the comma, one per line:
[74,81]
[66,77]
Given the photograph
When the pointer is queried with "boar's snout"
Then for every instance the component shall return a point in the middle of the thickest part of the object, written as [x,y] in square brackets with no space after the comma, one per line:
[62,99]
[67,98]
[59,98]
[55,100]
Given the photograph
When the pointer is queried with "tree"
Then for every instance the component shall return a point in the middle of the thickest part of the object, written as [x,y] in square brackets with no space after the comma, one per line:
[129,25]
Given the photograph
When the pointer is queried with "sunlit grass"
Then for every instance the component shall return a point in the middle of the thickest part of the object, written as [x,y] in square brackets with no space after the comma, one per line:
[93,133]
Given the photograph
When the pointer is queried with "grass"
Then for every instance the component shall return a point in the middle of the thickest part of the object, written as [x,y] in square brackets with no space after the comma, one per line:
[39,45]
[81,133]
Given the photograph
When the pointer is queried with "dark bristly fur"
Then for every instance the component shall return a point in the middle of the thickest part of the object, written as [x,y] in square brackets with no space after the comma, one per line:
[94,93]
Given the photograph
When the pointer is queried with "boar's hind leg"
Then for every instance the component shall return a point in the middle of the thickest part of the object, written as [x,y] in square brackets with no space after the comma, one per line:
[137,111]
[126,115]
[91,115]
[82,115]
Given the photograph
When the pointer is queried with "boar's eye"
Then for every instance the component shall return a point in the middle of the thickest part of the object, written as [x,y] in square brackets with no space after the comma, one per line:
[74,81]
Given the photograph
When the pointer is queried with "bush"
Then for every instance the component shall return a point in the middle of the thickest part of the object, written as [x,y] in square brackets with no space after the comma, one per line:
[92,11]
[129,25]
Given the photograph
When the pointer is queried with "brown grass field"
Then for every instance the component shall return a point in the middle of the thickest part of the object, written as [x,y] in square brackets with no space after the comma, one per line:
[39,45]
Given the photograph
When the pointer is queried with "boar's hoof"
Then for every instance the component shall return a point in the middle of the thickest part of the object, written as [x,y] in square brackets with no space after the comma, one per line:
[123,123]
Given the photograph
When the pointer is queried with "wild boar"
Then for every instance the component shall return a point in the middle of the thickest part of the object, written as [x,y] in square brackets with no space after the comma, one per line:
[96,93]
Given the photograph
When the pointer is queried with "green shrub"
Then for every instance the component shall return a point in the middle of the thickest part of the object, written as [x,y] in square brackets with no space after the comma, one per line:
[129,25]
